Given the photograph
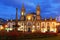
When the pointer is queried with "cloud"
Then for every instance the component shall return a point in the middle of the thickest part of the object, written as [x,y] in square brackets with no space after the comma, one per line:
[48,7]
[6,11]
[56,1]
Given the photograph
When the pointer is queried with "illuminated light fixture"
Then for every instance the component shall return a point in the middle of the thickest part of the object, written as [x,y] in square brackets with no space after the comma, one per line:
[43,31]
[7,29]
[33,26]
[22,26]
[53,30]
[10,29]
[29,17]
[22,13]
[6,26]
[18,29]
[33,31]
[57,24]
[1,28]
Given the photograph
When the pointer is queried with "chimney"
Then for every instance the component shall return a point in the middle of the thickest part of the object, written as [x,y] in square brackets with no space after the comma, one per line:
[16,16]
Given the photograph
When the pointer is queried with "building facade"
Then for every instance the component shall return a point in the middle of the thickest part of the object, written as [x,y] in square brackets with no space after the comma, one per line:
[34,22]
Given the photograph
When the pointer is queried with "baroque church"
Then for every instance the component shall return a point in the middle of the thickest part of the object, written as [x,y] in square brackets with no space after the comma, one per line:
[33,22]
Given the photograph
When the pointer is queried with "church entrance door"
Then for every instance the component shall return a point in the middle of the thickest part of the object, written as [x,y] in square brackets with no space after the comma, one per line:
[29,29]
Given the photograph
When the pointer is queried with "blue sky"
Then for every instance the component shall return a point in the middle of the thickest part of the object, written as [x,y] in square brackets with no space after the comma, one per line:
[48,7]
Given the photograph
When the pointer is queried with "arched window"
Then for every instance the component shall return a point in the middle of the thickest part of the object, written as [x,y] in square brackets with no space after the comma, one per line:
[29,24]
[43,25]
[48,27]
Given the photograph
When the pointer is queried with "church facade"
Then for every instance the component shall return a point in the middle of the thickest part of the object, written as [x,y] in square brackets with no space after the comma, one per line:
[32,22]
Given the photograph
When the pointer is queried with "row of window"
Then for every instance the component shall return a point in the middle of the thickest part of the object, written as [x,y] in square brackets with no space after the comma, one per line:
[38,24]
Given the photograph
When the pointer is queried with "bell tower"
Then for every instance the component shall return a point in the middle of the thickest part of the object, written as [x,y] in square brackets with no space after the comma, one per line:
[22,13]
[38,12]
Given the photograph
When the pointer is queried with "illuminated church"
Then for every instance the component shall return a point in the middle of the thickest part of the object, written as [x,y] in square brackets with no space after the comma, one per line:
[33,22]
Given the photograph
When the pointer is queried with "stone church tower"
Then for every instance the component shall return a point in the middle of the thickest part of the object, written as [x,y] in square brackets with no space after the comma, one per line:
[38,13]
[22,13]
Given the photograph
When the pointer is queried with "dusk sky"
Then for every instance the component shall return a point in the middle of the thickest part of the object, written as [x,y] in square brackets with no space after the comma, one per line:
[48,7]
